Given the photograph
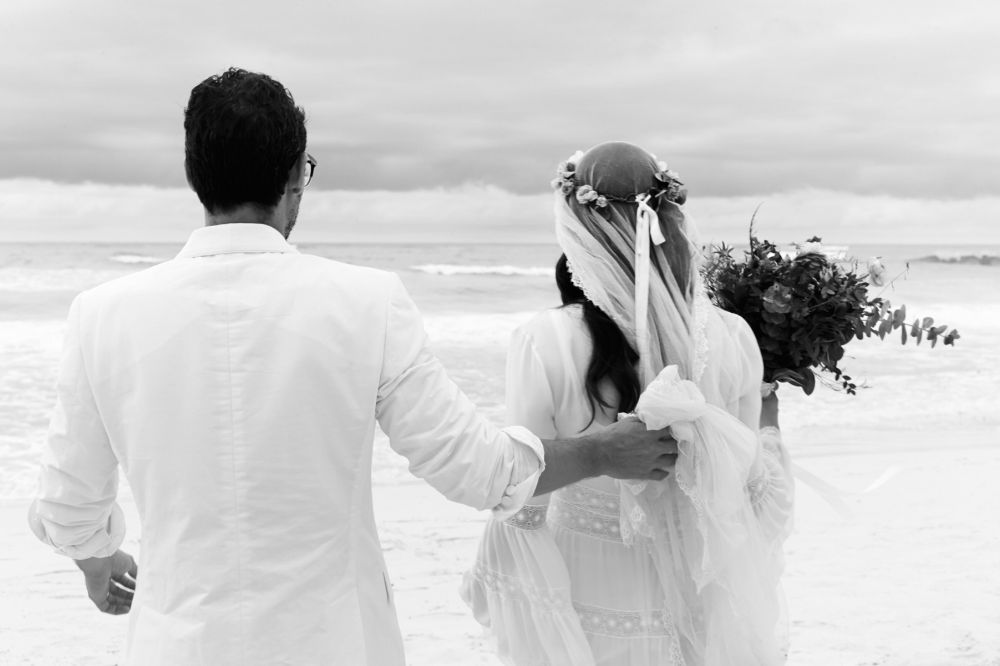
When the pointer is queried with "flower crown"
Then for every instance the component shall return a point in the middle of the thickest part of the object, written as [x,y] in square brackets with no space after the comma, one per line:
[672,189]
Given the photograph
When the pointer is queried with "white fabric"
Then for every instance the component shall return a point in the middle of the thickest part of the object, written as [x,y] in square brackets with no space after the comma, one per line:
[719,566]
[569,590]
[647,228]
[619,271]
[238,386]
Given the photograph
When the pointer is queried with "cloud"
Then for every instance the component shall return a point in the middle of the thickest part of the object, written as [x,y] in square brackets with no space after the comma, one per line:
[35,210]
[763,97]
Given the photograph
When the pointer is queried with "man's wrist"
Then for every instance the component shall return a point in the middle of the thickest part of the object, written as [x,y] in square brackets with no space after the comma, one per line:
[93,565]
[594,458]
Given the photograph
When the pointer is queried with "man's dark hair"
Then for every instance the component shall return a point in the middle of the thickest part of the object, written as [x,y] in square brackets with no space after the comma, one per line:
[242,135]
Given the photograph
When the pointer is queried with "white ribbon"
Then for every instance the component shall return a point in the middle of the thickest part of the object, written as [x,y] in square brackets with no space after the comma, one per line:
[647,228]
[836,497]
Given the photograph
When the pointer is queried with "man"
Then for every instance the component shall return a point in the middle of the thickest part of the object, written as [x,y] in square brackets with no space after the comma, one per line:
[238,386]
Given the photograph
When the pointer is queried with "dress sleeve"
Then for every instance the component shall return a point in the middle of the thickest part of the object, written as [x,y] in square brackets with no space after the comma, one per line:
[752,375]
[529,396]
[432,423]
[772,488]
[519,587]
[771,485]
[74,510]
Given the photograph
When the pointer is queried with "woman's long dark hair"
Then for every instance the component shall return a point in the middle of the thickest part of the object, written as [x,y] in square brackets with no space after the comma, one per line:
[612,357]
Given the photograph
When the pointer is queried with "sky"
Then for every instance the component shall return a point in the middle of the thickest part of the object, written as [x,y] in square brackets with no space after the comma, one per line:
[861,120]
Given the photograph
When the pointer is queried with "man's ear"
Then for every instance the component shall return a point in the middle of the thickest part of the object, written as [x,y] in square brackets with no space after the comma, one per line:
[294,184]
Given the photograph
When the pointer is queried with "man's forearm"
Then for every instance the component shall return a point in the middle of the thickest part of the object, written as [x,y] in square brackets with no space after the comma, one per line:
[567,461]
[622,450]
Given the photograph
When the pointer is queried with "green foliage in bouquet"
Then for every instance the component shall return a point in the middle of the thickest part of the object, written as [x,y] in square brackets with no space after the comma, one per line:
[804,309]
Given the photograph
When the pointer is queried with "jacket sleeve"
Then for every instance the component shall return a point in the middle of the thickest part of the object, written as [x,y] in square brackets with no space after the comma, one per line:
[437,429]
[74,510]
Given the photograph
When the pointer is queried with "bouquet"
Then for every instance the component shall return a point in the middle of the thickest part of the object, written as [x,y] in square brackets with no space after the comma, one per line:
[803,308]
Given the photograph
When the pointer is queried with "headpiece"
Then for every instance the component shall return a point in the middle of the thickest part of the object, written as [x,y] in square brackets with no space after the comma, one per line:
[667,185]
[608,242]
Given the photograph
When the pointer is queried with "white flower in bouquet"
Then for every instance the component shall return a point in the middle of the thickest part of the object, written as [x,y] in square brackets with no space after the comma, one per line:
[876,272]
[811,247]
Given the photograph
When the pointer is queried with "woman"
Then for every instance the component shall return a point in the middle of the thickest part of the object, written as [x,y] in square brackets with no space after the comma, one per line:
[680,571]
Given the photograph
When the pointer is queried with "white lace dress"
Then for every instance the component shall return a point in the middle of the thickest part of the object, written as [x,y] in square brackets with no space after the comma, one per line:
[556,584]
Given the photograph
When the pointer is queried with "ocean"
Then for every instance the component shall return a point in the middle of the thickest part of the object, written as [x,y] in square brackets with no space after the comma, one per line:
[473,295]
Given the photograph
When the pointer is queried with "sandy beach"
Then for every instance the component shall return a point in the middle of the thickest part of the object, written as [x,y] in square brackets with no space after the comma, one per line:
[910,580]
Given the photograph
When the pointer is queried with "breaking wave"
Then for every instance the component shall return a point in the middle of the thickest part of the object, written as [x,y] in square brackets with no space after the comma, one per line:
[458,269]
[973,258]
[123,258]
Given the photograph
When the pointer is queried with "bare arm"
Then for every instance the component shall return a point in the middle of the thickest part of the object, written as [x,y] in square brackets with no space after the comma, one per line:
[769,411]
[624,450]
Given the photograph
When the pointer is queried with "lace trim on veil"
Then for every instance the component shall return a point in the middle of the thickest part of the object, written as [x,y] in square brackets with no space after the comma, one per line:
[701,307]
[576,275]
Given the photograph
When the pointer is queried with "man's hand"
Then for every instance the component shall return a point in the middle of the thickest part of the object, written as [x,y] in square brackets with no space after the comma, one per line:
[110,581]
[627,450]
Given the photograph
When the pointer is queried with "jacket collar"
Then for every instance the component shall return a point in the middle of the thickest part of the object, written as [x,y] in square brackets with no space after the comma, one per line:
[235,238]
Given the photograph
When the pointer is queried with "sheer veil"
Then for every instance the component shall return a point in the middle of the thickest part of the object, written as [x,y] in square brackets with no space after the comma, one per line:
[634,252]
[604,251]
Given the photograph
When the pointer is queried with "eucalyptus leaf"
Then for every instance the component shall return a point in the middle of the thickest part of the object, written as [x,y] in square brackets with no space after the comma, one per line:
[803,311]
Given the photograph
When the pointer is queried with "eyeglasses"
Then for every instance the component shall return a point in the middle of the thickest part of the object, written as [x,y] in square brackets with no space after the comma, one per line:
[309,170]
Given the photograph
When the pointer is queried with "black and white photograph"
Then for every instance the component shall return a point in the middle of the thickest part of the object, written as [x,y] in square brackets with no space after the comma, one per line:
[446,333]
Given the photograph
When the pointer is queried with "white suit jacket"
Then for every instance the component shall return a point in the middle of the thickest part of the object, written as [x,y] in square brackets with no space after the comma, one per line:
[237,386]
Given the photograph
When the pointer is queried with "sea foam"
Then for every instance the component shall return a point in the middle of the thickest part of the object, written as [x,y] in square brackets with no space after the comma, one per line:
[26,279]
[975,258]
[459,269]
[123,258]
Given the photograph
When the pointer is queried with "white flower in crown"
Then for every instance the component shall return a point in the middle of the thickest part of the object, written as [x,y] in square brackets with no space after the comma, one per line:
[565,179]
[585,194]
[601,201]
[675,192]
[665,175]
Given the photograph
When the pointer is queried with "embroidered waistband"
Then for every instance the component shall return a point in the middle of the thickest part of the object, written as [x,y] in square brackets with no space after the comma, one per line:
[588,511]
